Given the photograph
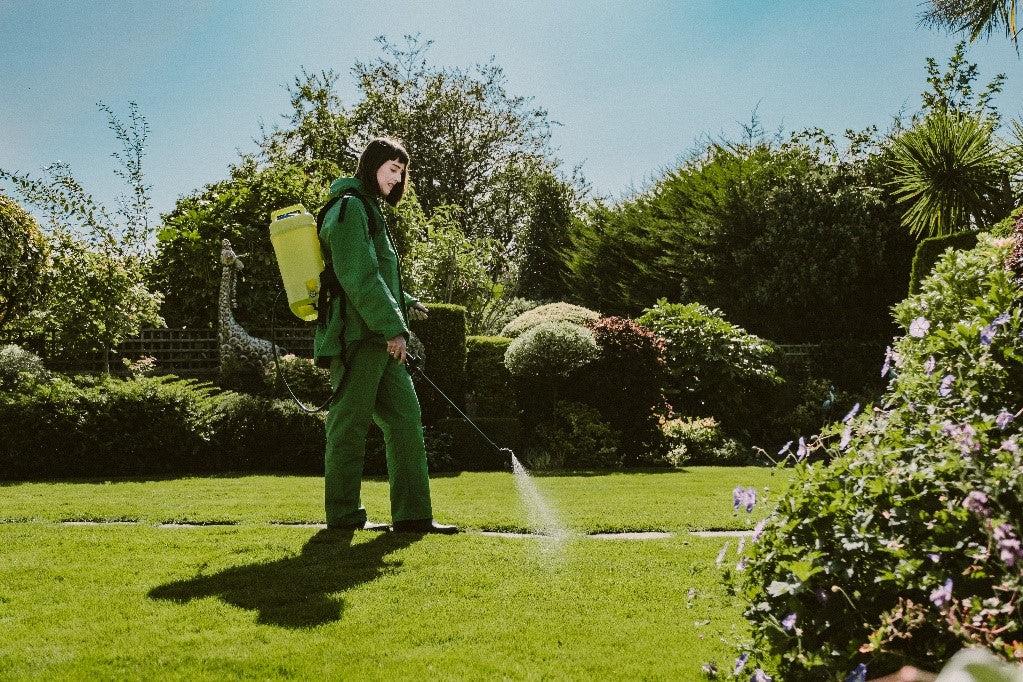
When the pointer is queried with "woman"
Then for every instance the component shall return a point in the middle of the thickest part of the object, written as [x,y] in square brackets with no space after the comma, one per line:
[364,338]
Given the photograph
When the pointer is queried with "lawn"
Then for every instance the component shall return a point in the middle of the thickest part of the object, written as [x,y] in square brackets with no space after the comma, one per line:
[246,597]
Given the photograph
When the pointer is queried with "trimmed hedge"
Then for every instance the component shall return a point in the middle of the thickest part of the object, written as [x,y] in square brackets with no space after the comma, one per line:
[490,382]
[930,250]
[443,335]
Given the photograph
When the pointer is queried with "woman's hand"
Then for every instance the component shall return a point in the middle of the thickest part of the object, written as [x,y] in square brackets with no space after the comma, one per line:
[397,347]
[418,311]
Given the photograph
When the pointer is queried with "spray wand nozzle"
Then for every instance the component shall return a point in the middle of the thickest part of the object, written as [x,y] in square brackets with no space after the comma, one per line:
[414,365]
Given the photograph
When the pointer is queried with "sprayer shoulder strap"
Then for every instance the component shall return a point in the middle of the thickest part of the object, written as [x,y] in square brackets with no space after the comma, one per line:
[330,286]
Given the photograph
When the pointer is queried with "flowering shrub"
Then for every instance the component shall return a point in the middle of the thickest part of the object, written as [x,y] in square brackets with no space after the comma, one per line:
[700,441]
[624,383]
[905,547]
[552,312]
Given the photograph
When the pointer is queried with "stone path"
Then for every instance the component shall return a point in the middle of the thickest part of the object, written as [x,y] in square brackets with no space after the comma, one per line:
[647,535]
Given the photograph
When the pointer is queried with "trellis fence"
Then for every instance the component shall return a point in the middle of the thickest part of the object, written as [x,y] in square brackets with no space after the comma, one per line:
[193,352]
[184,352]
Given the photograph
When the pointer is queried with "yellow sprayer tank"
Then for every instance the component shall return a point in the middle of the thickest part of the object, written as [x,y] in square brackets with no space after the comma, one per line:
[297,247]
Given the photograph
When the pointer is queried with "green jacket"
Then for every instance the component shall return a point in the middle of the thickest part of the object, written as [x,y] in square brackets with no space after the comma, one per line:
[375,305]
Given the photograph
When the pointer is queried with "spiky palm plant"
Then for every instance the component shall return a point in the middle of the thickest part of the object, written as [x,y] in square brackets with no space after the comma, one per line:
[975,17]
[951,170]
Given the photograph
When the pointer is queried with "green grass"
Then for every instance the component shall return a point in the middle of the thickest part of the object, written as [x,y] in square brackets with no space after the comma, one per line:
[259,601]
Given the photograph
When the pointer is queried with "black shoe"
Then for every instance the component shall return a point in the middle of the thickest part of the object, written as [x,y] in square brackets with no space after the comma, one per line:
[366,525]
[424,526]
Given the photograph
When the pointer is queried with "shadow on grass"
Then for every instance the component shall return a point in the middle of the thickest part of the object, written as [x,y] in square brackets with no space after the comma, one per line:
[299,591]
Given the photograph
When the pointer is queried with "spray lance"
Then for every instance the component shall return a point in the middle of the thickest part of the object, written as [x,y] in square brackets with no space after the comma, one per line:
[296,242]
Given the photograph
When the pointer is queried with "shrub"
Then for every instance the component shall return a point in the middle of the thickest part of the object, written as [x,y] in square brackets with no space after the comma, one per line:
[504,311]
[253,433]
[929,251]
[624,382]
[701,441]
[552,312]
[471,452]
[574,436]
[443,338]
[20,368]
[550,350]
[105,427]
[489,381]
[715,368]
[307,381]
[905,546]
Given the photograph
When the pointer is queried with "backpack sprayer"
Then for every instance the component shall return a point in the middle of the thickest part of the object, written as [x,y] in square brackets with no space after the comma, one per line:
[295,237]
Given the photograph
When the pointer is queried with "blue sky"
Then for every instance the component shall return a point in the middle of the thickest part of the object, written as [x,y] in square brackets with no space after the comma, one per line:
[634,85]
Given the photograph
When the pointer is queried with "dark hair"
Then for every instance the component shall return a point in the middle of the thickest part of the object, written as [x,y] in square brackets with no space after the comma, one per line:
[379,151]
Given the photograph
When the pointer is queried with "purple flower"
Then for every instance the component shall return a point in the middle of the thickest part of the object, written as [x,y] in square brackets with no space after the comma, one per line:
[737,496]
[934,556]
[785,448]
[987,335]
[788,622]
[1009,547]
[851,414]
[721,554]
[1009,446]
[942,595]
[758,530]
[945,390]
[846,437]
[760,676]
[740,663]
[888,356]
[918,327]
[1000,320]
[801,450]
[963,435]
[977,502]
[929,365]
[749,498]
[1003,419]
[741,566]
[858,674]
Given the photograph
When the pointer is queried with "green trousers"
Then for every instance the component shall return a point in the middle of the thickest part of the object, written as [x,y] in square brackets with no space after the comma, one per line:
[378,389]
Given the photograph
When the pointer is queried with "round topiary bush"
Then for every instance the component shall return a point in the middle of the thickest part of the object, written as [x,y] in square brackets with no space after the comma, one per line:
[550,350]
[552,312]
[903,545]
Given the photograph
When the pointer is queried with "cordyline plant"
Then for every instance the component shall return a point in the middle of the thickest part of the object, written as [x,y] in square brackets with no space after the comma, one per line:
[901,545]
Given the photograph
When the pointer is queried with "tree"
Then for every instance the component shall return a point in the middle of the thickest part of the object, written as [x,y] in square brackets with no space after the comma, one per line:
[99,256]
[975,17]
[544,240]
[23,259]
[950,169]
[794,243]
[187,266]
[318,129]
[472,144]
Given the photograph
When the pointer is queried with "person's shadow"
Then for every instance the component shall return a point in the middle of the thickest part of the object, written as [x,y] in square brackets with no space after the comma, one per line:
[297,592]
